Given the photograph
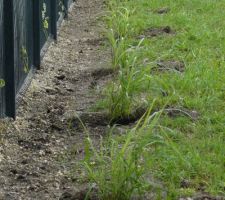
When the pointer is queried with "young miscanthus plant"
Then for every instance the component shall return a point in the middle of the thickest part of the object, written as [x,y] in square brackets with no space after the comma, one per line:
[117,168]
[124,60]
[118,20]
[118,32]
[120,95]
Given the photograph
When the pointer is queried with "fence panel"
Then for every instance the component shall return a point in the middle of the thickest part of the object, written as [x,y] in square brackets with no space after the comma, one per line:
[23,40]
[25,26]
[45,23]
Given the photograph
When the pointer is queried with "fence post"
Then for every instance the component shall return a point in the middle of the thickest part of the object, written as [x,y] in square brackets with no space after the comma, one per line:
[36,33]
[9,71]
[54,19]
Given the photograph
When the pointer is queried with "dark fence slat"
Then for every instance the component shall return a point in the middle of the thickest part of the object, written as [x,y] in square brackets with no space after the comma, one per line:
[36,33]
[2,93]
[9,71]
[54,19]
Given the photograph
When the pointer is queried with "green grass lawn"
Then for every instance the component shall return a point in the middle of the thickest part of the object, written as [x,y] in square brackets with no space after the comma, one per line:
[187,155]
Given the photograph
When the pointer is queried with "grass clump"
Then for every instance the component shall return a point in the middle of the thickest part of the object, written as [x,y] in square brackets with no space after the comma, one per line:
[122,97]
[117,167]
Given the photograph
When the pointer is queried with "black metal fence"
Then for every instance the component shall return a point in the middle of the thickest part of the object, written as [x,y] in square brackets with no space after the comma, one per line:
[25,28]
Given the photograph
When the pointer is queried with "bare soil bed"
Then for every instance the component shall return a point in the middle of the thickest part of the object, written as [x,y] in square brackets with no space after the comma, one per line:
[33,150]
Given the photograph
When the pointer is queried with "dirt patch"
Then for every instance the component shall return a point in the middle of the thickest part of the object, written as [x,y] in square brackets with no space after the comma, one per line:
[154,32]
[100,77]
[161,11]
[102,72]
[96,41]
[92,194]
[93,119]
[78,120]
[84,193]
[176,112]
[170,111]
[203,197]
[133,117]
[173,65]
